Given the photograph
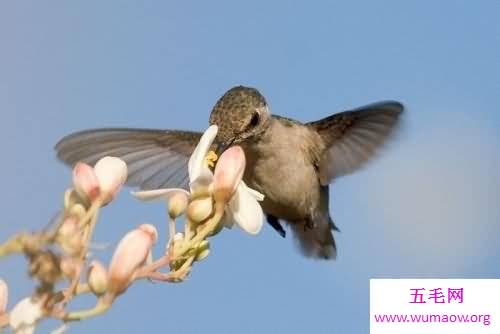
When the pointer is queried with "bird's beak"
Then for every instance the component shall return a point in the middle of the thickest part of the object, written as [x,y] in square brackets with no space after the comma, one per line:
[221,147]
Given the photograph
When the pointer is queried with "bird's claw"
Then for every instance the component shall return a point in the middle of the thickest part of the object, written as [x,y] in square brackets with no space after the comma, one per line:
[309,225]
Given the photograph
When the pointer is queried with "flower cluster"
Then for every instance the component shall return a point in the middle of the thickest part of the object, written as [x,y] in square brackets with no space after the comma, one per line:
[216,199]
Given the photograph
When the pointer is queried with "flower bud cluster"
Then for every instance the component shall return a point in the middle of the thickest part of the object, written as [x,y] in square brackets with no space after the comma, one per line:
[218,197]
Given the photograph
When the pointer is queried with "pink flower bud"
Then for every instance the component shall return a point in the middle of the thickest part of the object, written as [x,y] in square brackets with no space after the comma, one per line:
[85,181]
[200,209]
[177,204]
[97,278]
[228,173]
[68,267]
[150,230]
[70,235]
[69,227]
[112,174]
[4,296]
[130,255]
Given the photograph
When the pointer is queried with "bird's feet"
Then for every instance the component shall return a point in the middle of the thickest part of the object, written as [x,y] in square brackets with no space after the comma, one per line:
[309,225]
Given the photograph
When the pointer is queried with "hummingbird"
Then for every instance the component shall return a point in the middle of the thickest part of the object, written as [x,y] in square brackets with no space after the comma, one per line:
[291,163]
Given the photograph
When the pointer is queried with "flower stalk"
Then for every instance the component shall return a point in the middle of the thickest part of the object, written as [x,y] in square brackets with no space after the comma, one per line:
[63,253]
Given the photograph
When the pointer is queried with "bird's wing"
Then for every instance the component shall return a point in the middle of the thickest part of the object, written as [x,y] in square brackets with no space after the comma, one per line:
[155,158]
[352,137]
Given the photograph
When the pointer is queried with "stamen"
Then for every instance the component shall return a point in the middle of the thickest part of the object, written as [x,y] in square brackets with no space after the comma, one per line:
[211,158]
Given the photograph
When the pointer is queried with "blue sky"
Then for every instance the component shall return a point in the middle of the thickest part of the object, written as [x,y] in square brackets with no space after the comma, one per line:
[427,207]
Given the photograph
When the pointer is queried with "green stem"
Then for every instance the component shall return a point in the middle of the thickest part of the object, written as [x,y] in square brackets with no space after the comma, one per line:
[174,276]
[148,270]
[11,246]
[209,226]
[171,229]
[99,309]
[91,212]
[23,241]
[188,230]
[89,230]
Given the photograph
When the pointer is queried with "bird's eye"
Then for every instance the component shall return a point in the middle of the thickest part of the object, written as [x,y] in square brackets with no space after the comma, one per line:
[254,120]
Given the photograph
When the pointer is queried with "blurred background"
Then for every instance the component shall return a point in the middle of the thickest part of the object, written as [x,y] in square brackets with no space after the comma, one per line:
[427,207]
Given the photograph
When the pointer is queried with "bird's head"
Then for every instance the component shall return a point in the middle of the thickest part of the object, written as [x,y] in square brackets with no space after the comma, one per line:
[241,114]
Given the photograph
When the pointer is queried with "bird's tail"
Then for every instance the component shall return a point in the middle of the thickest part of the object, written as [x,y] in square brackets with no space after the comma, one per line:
[315,239]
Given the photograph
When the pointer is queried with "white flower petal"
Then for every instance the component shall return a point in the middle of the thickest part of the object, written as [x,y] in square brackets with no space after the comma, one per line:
[152,195]
[178,238]
[202,183]
[257,195]
[24,316]
[246,211]
[197,165]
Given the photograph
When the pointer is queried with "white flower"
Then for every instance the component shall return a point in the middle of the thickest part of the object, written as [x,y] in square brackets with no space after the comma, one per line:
[24,316]
[243,208]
